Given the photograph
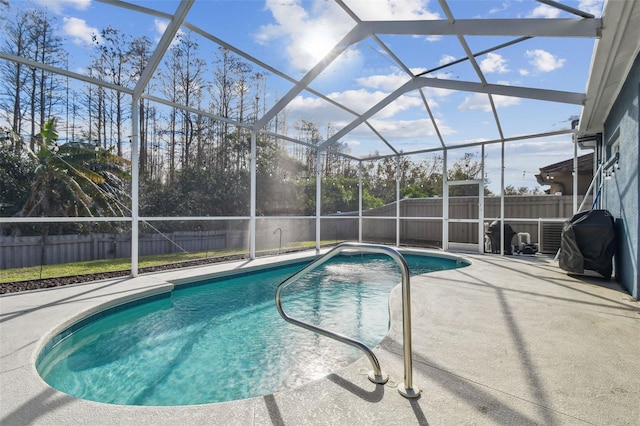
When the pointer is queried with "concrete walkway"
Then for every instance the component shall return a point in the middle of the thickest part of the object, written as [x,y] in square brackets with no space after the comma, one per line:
[507,340]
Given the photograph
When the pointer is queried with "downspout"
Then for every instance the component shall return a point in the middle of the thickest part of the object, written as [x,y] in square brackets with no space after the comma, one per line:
[445,204]
[253,204]
[318,198]
[574,135]
[398,201]
[502,199]
[481,205]
[360,202]
[596,176]
[135,185]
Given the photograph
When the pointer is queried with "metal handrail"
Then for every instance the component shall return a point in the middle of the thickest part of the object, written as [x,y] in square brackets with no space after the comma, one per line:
[376,375]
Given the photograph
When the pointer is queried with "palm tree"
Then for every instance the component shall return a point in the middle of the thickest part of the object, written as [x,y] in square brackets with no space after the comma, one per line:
[75,179]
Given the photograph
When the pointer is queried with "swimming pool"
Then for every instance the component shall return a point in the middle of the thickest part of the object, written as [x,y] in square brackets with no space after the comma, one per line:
[222,339]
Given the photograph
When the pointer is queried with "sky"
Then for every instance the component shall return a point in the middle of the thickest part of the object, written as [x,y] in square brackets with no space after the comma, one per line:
[292,36]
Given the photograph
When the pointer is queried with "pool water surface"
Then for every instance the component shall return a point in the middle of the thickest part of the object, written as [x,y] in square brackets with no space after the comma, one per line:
[223,339]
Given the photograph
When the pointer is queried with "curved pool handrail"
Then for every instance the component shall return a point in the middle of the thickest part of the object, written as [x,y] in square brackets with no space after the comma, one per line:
[376,376]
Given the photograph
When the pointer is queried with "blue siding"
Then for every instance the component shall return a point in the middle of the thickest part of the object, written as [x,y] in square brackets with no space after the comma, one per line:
[621,191]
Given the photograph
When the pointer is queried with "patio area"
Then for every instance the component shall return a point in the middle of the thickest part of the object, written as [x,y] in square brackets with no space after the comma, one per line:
[507,340]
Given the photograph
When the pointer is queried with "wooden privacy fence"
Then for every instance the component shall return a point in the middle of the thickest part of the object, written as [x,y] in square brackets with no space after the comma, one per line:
[421,223]
[275,233]
[16,252]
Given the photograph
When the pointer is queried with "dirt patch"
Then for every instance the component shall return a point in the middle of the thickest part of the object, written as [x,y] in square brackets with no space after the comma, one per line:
[14,287]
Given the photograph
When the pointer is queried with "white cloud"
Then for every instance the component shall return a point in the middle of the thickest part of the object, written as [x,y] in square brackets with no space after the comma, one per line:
[160,26]
[392,10]
[593,7]
[446,59]
[57,6]
[403,103]
[357,100]
[388,82]
[505,101]
[398,130]
[392,81]
[474,102]
[319,111]
[502,8]
[396,10]
[544,11]
[544,61]
[480,102]
[361,100]
[523,71]
[494,63]
[406,129]
[80,32]
[383,122]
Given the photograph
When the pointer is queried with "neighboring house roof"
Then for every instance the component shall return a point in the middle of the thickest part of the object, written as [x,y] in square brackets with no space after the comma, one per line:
[585,166]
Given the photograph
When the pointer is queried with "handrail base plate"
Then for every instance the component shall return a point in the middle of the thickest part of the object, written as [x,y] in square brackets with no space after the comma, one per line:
[380,379]
[409,392]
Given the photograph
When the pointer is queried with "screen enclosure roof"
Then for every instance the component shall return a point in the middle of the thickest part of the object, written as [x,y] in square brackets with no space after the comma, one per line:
[382,78]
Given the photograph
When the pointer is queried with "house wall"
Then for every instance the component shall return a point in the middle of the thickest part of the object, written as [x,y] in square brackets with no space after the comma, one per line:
[621,190]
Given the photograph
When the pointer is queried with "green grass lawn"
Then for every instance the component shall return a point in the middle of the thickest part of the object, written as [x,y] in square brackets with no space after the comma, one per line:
[122,264]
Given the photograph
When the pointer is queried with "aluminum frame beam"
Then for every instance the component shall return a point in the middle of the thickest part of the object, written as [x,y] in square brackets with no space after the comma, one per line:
[162,47]
[534,27]
[63,72]
[498,89]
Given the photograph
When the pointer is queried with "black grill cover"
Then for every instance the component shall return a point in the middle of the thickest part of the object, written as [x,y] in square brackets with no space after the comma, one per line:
[588,242]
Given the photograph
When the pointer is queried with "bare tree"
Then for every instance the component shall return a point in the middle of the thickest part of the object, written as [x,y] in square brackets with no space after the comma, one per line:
[46,87]
[140,52]
[93,102]
[170,91]
[13,74]
[222,95]
[307,131]
[28,91]
[231,88]
[183,83]
[48,50]
[191,85]
[113,65]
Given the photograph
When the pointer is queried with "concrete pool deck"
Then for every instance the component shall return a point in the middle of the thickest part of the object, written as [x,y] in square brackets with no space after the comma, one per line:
[508,340]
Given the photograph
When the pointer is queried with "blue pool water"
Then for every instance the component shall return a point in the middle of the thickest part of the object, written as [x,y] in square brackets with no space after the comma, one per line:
[224,340]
